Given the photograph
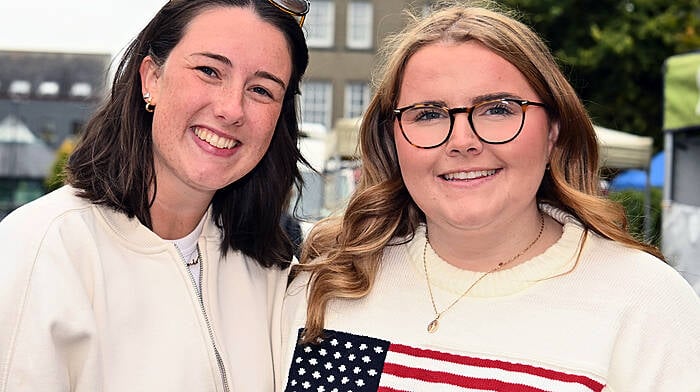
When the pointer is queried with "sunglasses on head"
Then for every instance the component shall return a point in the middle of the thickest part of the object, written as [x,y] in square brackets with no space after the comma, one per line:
[296,8]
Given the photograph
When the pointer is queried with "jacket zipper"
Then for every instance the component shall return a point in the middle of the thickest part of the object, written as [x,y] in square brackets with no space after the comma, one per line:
[220,361]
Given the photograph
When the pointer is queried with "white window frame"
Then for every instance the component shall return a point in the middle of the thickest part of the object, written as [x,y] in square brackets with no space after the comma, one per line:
[320,24]
[359,25]
[317,102]
[356,99]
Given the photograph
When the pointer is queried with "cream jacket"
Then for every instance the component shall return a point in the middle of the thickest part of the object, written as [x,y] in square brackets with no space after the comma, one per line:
[93,301]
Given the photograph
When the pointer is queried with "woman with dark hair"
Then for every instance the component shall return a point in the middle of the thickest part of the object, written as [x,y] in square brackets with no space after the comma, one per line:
[477,252]
[162,264]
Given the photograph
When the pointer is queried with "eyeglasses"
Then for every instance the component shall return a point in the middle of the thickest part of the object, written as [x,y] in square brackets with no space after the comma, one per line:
[499,121]
[296,8]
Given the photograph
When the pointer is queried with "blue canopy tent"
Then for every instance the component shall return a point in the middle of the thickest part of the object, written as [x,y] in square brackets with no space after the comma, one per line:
[636,179]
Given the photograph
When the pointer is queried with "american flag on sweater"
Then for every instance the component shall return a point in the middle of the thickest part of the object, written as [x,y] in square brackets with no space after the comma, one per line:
[343,362]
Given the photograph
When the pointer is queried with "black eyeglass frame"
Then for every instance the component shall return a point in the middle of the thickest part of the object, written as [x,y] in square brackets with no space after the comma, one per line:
[524,104]
[299,14]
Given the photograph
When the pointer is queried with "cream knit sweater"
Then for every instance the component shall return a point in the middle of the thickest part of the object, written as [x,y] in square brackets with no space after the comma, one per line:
[618,320]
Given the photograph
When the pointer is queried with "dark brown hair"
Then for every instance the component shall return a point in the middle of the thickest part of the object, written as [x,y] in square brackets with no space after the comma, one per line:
[112,164]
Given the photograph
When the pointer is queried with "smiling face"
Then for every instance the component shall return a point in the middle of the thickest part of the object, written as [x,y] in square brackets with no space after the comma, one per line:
[218,96]
[466,184]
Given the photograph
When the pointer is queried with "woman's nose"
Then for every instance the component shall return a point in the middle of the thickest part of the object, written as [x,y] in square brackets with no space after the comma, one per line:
[463,137]
[230,105]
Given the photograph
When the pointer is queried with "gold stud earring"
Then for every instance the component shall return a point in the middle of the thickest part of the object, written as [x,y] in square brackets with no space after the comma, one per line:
[150,108]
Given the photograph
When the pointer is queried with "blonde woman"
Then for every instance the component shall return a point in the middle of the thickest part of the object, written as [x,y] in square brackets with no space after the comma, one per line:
[477,252]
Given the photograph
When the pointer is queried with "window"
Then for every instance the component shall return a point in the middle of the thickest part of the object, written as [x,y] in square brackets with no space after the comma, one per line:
[76,127]
[81,89]
[356,99]
[320,24]
[47,131]
[48,89]
[359,35]
[20,87]
[316,102]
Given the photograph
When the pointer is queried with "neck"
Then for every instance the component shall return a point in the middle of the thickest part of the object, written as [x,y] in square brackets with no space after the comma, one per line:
[175,217]
[487,249]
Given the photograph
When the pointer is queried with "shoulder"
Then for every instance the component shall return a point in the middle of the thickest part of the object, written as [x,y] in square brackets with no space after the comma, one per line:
[657,318]
[297,290]
[296,296]
[648,283]
[276,277]
[43,242]
[33,220]
[47,235]
[635,264]
[294,308]
[247,271]
[49,206]
[615,265]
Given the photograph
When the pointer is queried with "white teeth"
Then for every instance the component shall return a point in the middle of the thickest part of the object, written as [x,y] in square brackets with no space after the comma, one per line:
[469,175]
[214,139]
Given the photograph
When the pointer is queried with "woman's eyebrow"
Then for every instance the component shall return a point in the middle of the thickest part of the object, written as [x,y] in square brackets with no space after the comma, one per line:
[214,56]
[270,76]
[225,60]
[493,96]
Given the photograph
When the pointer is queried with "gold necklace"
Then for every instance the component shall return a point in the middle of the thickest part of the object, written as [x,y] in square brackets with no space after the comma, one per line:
[433,325]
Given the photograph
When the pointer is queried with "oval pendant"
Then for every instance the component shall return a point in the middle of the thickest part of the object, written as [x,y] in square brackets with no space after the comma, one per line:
[433,326]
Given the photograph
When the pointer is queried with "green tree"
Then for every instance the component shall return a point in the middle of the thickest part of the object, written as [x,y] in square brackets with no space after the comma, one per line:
[56,178]
[633,202]
[613,52]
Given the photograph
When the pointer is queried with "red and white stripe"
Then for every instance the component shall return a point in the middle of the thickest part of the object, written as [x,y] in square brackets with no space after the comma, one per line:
[412,369]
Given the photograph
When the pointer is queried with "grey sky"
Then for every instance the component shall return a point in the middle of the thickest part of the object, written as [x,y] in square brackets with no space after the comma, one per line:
[82,26]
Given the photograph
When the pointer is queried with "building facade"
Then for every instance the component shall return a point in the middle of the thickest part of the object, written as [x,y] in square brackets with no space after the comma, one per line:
[45,98]
[343,38]
[52,93]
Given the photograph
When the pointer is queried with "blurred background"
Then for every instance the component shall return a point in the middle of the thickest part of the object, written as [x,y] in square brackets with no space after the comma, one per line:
[633,62]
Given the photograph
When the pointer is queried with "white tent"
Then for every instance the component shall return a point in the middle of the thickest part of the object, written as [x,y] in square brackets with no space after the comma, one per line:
[13,130]
[22,155]
[317,145]
[621,150]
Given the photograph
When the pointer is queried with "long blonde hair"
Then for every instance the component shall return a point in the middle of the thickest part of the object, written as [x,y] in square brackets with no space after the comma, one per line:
[343,252]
